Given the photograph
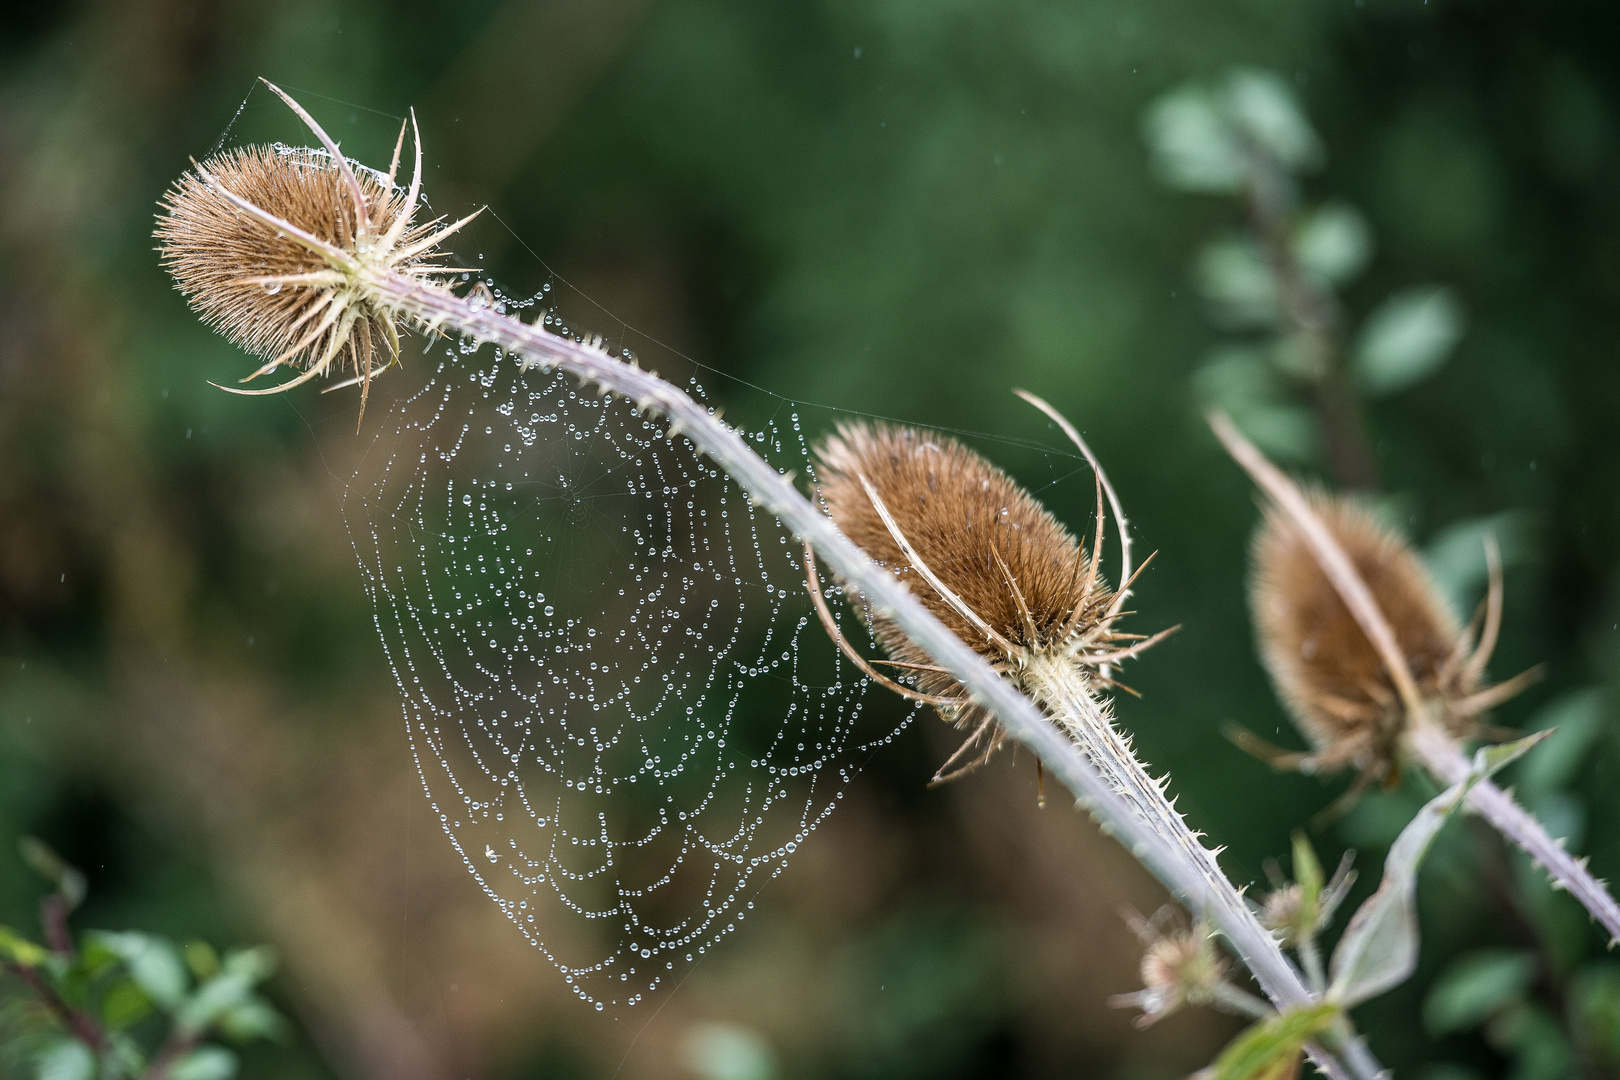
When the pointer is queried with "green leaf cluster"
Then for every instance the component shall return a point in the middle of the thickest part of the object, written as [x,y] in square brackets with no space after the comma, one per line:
[106,1005]
[1276,279]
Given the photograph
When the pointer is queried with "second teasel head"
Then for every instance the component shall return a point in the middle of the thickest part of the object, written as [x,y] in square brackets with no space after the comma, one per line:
[1327,672]
[982,555]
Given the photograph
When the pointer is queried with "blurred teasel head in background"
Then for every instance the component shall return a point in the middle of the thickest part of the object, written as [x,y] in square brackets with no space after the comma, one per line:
[1326,671]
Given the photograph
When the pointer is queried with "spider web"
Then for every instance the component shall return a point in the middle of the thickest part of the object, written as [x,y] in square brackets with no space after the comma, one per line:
[619,702]
[621,706]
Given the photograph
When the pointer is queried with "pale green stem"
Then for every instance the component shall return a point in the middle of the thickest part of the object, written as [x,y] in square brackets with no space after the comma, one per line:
[1239,1001]
[1447,763]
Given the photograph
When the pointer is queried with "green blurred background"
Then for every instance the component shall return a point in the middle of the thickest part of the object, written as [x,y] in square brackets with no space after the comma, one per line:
[901,207]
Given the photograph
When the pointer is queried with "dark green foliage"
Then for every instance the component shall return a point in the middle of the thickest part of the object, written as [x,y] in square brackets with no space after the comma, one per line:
[103,1005]
[894,207]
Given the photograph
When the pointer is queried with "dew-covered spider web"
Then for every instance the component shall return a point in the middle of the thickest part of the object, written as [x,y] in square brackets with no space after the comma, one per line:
[622,707]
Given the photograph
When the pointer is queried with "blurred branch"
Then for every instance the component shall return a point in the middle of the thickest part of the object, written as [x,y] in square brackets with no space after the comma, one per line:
[83,1026]
[1312,317]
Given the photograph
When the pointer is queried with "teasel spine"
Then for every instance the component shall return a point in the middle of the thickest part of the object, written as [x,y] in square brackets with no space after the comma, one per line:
[1426,738]
[1104,776]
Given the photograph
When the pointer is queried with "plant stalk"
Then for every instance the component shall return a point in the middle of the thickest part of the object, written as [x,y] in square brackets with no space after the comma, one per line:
[1313,314]
[1135,815]
[1448,764]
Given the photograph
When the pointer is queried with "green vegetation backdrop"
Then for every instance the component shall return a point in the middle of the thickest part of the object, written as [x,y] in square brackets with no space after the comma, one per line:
[896,207]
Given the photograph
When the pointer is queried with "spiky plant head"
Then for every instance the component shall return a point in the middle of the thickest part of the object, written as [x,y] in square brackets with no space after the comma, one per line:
[1180,966]
[986,559]
[1325,669]
[960,514]
[281,250]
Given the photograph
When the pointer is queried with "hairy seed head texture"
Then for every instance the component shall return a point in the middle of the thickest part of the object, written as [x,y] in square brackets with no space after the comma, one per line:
[966,520]
[1326,671]
[281,250]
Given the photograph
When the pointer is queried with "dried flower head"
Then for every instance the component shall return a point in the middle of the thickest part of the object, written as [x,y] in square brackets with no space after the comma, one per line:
[1328,673]
[1180,966]
[281,249]
[985,558]
[1298,911]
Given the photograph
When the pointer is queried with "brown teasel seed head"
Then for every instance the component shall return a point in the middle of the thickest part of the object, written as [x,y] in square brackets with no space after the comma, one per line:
[219,256]
[1325,669]
[965,519]
[281,249]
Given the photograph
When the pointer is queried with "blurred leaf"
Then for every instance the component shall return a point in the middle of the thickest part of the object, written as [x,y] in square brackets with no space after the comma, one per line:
[1242,382]
[253,1019]
[154,963]
[1456,554]
[1563,816]
[1264,106]
[1285,432]
[1474,987]
[53,868]
[231,989]
[1234,277]
[1406,339]
[1539,1049]
[205,1063]
[1270,1048]
[1594,996]
[1576,722]
[1236,379]
[1333,243]
[1379,948]
[1307,870]
[125,1003]
[254,965]
[728,1052]
[1444,1070]
[123,1052]
[201,959]
[66,1059]
[1193,146]
[19,950]
[1489,760]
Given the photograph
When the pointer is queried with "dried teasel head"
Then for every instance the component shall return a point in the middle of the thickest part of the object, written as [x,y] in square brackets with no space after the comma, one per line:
[281,249]
[982,554]
[1328,673]
[1180,966]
